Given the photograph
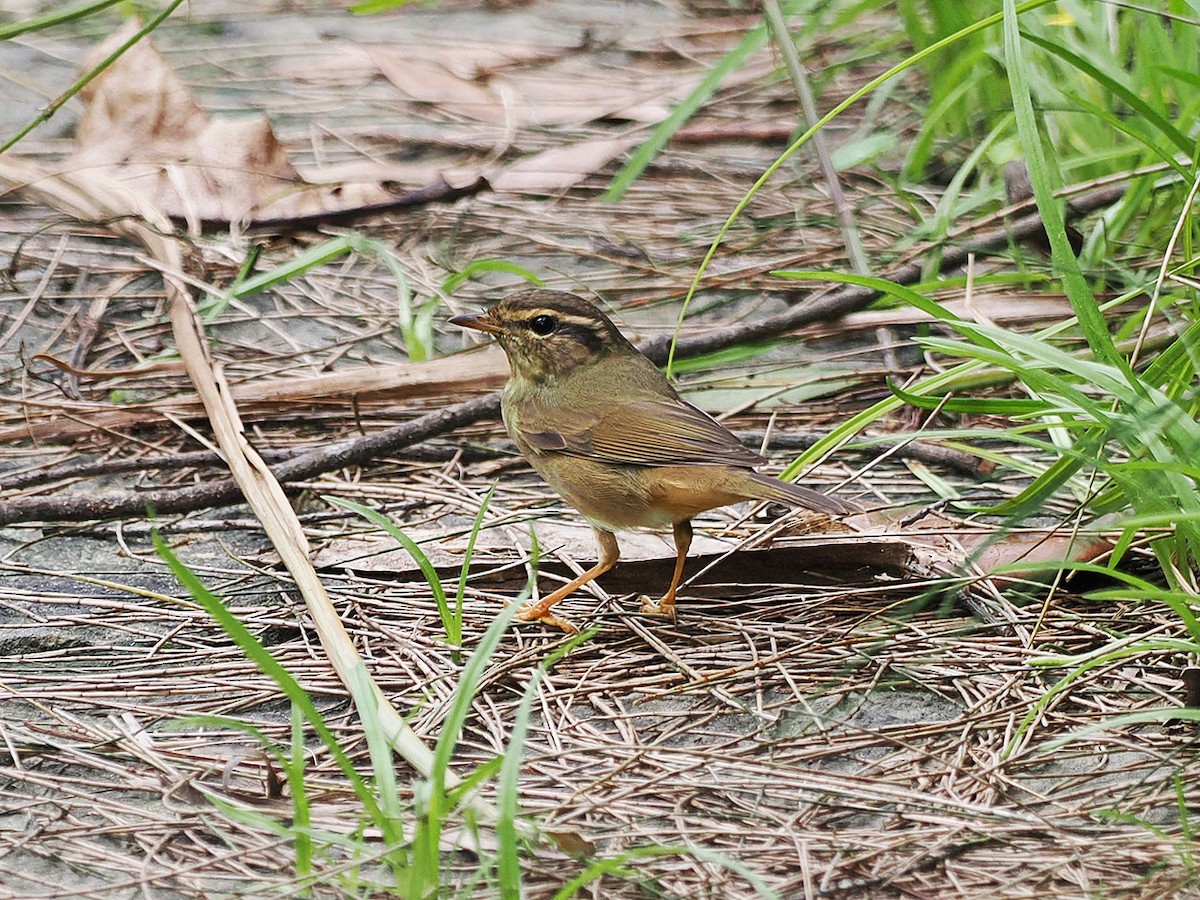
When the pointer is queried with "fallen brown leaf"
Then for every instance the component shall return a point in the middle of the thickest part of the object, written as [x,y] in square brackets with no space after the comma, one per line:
[143,128]
[560,168]
[561,89]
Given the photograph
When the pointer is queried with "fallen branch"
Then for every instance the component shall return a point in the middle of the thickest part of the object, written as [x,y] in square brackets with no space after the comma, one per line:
[357,451]
[934,454]
[351,452]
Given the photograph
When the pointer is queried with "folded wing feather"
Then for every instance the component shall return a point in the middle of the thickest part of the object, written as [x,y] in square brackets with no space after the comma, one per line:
[655,432]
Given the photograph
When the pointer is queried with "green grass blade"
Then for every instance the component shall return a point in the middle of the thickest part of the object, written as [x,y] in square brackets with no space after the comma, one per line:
[89,76]
[471,269]
[869,87]
[468,684]
[302,842]
[1182,352]
[434,804]
[880,285]
[214,305]
[684,110]
[946,208]
[847,430]
[372,7]
[1038,493]
[1144,110]
[476,526]
[1124,126]
[379,749]
[294,268]
[1083,303]
[415,324]
[1082,668]
[616,864]
[508,859]
[1163,714]
[1000,406]
[267,664]
[51,19]
[451,624]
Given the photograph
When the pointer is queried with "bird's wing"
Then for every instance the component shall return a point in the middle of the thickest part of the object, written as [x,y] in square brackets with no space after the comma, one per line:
[647,432]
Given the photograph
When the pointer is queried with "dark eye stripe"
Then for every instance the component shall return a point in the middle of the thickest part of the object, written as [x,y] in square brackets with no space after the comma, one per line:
[589,335]
[584,329]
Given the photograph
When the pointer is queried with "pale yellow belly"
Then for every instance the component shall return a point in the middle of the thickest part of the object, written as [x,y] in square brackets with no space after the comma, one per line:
[624,497]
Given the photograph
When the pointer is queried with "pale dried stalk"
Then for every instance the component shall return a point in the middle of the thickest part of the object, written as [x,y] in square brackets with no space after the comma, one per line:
[96,198]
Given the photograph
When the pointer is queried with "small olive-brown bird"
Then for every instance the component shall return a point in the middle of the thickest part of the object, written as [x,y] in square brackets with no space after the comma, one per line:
[601,424]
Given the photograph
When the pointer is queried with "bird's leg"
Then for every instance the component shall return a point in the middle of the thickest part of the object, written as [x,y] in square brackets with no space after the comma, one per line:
[610,552]
[683,543]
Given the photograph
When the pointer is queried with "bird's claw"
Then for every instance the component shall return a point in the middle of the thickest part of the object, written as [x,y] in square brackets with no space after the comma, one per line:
[663,607]
[535,612]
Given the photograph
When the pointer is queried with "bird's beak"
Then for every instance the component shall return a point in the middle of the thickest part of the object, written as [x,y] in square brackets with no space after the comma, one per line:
[479,322]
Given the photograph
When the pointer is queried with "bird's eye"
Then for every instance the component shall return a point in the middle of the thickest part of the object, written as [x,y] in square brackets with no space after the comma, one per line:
[543,326]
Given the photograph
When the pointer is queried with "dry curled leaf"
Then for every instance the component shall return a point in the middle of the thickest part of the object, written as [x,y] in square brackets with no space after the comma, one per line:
[527,88]
[143,127]
[559,168]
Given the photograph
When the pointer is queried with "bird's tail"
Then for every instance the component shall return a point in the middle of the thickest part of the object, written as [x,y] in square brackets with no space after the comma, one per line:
[769,488]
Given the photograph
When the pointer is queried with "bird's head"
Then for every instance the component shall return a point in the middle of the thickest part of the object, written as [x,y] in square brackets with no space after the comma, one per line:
[548,335]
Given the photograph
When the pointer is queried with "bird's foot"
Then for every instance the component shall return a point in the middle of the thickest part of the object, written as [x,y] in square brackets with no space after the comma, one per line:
[535,612]
[664,607]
